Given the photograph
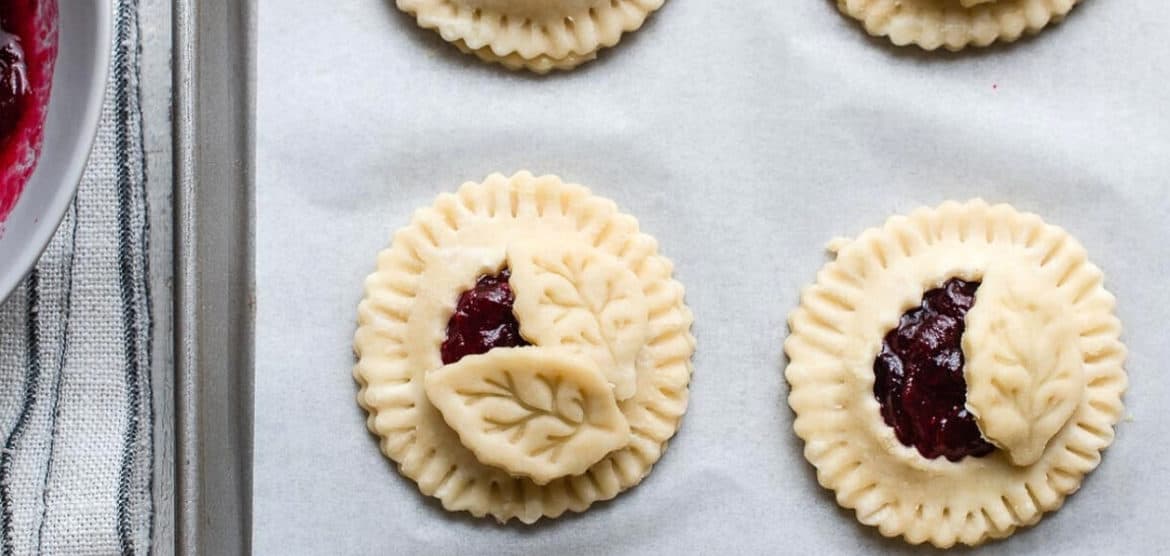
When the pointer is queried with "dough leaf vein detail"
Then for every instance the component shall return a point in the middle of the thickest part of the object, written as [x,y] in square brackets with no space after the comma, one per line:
[582,299]
[544,413]
[1026,375]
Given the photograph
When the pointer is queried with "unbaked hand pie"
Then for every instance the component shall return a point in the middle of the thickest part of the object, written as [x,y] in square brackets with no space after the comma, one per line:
[523,349]
[537,35]
[956,372]
[954,24]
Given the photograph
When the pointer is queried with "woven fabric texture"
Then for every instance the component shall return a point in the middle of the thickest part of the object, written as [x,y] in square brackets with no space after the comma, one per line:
[75,343]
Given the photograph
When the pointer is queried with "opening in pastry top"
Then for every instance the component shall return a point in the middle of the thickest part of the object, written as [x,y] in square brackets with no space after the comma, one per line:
[919,379]
[483,319]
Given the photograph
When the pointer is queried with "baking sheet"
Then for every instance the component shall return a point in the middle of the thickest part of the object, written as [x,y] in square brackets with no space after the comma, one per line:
[214,68]
[744,135]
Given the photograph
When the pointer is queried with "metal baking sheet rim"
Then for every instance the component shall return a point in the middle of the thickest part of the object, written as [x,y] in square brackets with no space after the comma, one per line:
[214,84]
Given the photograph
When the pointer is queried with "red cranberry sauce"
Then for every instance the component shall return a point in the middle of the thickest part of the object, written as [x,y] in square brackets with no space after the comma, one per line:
[483,320]
[28,52]
[14,85]
[919,376]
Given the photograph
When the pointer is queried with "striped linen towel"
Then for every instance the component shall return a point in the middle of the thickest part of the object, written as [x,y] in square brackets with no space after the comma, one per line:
[75,342]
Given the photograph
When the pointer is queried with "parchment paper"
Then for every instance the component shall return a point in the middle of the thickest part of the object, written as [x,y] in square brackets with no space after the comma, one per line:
[744,135]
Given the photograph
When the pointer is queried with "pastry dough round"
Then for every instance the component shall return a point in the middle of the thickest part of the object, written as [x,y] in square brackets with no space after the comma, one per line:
[838,329]
[954,24]
[411,296]
[537,35]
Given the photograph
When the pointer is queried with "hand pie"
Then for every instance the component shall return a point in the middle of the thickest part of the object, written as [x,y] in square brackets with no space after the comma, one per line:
[954,24]
[956,372]
[537,35]
[523,350]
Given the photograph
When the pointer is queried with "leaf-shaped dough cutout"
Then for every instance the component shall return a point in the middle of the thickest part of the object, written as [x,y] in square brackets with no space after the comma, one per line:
[537,412]
[1025,375]
[584,299]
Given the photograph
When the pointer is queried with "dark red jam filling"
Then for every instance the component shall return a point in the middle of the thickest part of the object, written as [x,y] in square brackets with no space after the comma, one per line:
[483,320]
[919,376]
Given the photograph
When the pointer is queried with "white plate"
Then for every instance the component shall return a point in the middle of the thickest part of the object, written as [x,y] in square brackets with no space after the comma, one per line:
[79,83]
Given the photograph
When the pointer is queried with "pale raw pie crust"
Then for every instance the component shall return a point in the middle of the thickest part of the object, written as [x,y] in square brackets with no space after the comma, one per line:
[954,24]
[1044,369]
[537,35]
[525,432]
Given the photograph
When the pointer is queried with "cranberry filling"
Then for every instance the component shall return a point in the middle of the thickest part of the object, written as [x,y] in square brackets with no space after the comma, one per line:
[483,320]
[919,376]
